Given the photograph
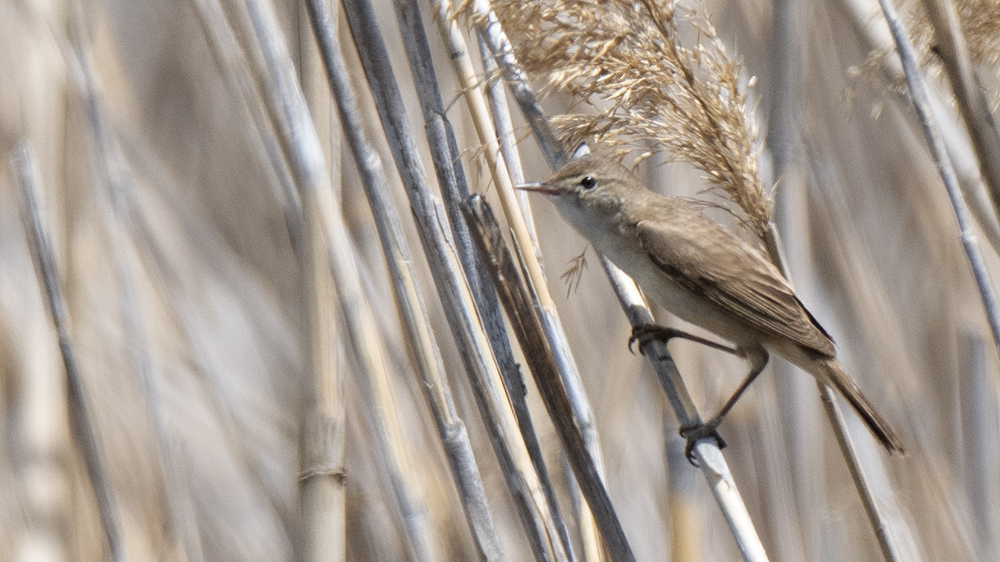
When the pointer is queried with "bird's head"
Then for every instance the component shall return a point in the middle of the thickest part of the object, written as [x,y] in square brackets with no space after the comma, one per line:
[587,188]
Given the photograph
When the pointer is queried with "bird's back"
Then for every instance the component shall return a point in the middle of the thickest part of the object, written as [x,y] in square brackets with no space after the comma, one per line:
[715,265]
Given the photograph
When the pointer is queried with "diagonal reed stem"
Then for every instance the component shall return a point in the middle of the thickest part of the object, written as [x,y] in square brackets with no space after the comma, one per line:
[80,417]
[969,93]
[921,103]
[530,334]
[958,144]
[416,325]
[454,190]
[555,333]
[781,138]
[322,482]
[453,289]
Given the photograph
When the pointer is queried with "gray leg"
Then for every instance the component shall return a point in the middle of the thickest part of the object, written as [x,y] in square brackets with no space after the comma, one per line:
[758,357]
[758,360]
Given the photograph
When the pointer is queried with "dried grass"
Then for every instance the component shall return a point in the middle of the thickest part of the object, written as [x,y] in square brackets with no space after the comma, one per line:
[657,75]
[980,21]
[875,256]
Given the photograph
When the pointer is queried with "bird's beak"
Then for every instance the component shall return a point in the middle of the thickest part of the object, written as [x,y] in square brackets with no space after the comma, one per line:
[537,187]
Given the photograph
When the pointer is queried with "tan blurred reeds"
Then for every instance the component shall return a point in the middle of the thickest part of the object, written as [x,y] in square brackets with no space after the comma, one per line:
[205,233]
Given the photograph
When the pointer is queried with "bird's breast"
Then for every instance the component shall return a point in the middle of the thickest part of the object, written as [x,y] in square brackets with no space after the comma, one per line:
[628,254]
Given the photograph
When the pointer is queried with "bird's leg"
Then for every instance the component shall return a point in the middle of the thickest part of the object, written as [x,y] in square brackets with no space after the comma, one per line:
[645,333]
[758,360]
[758,357]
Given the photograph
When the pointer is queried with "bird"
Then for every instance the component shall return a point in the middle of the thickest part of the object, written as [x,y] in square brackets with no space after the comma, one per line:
[704,274]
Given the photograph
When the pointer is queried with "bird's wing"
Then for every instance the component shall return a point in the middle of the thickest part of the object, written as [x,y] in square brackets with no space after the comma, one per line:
[724,270]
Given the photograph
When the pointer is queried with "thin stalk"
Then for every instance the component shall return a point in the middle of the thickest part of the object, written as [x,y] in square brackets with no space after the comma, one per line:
[454,189]
[713,464]
[834,230]
[921,102]
[786,159]
[322,481]
[710,457]
[80,418]
[453,289]
[409,302]
[969,93]
[236,74]
[373,378]
[527,326]
[589,534]
[555,333]
[504,126]
[875,517]
[959,147]
[112,176]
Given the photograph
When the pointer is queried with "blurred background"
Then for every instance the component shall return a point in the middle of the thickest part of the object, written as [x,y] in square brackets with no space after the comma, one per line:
[175,239]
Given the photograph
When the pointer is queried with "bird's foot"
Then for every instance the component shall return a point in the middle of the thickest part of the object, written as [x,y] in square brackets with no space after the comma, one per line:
[695,433]
[645,333]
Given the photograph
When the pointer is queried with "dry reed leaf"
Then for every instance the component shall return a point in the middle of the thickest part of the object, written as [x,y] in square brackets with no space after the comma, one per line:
[574,273]
[658,76]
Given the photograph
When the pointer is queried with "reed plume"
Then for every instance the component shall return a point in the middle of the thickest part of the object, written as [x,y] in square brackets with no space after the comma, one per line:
[650,89]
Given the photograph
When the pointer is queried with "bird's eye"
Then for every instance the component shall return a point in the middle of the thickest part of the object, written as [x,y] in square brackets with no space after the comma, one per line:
[588,182]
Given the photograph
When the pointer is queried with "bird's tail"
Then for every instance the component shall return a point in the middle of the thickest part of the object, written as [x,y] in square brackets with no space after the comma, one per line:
[834,376]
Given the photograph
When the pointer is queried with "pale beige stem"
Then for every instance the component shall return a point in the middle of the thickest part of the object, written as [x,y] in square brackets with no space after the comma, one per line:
[475,100]
[323,479]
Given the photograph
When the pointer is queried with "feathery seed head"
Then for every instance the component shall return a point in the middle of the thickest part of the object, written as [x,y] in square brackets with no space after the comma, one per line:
[656,73]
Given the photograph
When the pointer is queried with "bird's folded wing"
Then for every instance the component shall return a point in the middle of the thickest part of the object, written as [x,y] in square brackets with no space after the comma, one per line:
[724,270]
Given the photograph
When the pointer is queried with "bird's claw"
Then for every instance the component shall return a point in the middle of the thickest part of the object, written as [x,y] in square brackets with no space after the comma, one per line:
[645,333]
[695,433]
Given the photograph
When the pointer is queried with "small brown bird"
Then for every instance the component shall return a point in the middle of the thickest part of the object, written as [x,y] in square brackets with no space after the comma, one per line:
[704,274]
